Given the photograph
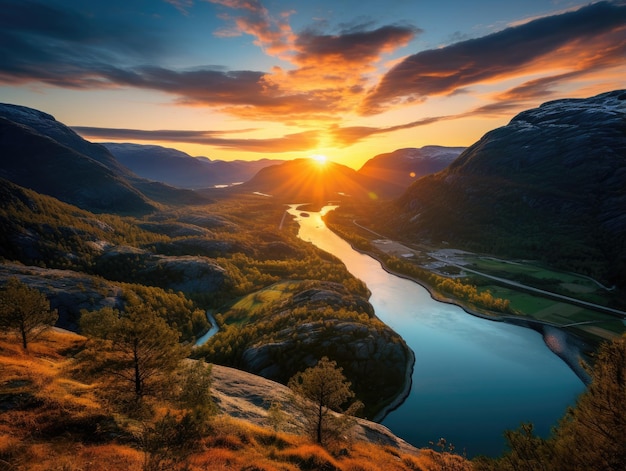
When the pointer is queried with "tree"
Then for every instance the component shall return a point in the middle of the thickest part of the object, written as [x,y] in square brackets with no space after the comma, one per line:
[195,388]
[169,441]
[596,427]
[317,392]
[135,347]
[26,310]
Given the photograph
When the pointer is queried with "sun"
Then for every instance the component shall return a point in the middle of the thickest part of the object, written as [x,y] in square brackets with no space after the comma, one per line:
[319,158]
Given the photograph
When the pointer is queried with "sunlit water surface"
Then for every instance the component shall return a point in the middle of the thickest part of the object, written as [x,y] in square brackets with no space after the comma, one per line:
[473,378]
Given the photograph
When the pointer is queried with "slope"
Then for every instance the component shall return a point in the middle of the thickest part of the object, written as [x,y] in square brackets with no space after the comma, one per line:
[551,185]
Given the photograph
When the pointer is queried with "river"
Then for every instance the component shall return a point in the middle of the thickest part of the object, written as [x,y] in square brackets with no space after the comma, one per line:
[473,378]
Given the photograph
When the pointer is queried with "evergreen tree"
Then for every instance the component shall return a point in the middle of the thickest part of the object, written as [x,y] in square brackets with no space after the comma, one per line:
[319,391]
[25,310]
[596,427]
[137,348]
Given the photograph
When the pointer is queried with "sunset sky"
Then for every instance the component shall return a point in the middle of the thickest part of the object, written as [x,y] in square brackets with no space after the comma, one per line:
[349,79]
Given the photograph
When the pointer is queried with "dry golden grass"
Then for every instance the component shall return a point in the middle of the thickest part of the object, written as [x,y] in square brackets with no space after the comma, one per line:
[52,421]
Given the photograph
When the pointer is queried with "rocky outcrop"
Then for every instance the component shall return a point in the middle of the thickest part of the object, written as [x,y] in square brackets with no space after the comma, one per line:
[189,274]
[327,320]
[248,397]
[68,291]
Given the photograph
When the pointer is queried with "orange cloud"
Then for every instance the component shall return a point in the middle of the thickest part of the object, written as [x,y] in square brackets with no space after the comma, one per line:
[287,143]
[578,40]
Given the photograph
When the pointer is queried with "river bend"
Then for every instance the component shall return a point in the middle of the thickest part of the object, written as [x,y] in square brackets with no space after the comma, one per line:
[473,378]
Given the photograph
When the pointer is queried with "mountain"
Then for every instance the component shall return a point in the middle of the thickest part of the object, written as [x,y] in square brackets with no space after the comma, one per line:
[181,170]
[38,152]
[398,169]
[382,177]
[36,161]
[550,185]
[307,180]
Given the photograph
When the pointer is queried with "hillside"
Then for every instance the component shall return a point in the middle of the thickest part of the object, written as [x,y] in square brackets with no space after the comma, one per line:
[183,262]
[550,185]
[398,169]
[181,170]
[308,180]
[38,152]
[53,417]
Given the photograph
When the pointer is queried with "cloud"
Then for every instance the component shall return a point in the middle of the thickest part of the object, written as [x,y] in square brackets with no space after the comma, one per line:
[582,40]
[60,47]
[272,34]
[360,47]
[287,143]
[331,71]
[330,76]
[182,6]
[346,136]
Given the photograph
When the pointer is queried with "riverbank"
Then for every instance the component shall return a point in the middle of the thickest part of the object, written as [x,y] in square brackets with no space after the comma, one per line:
[210,333]
[544,328]
[406,390]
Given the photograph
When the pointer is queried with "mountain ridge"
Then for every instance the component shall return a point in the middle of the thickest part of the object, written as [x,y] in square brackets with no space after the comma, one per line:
[554,177]
[41,153]
[180,169]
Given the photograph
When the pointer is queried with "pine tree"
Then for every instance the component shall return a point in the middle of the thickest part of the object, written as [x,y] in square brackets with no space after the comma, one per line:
[137,348]
[319,391]
[25,310]
[596,427]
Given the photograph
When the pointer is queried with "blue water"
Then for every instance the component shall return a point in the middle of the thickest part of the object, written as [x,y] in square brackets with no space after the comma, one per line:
[473,378]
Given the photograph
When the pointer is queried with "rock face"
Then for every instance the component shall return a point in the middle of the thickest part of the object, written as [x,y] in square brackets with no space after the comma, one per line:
[549,185]
[374,358]
[68,291]
[189,274]
[248,397]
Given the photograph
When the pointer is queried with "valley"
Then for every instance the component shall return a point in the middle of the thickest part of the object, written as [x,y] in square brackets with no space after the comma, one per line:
[575,303]
[110,242]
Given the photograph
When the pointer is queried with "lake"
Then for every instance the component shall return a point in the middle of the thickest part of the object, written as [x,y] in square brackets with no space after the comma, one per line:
[473,378]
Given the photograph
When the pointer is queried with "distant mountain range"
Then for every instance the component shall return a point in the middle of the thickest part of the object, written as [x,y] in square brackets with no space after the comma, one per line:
[386,175]
[40,153]
[181,170]
[550,185]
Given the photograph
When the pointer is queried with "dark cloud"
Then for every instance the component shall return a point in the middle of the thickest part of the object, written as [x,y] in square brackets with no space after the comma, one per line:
[287,143]
[356,46]
[346,136]
[541,88]
[582,39]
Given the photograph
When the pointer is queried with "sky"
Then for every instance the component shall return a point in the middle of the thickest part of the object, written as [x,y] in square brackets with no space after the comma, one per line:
[346,79]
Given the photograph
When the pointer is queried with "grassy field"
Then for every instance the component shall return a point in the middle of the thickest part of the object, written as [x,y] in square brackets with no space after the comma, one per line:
[248,307]
[569,284]
[589,322]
